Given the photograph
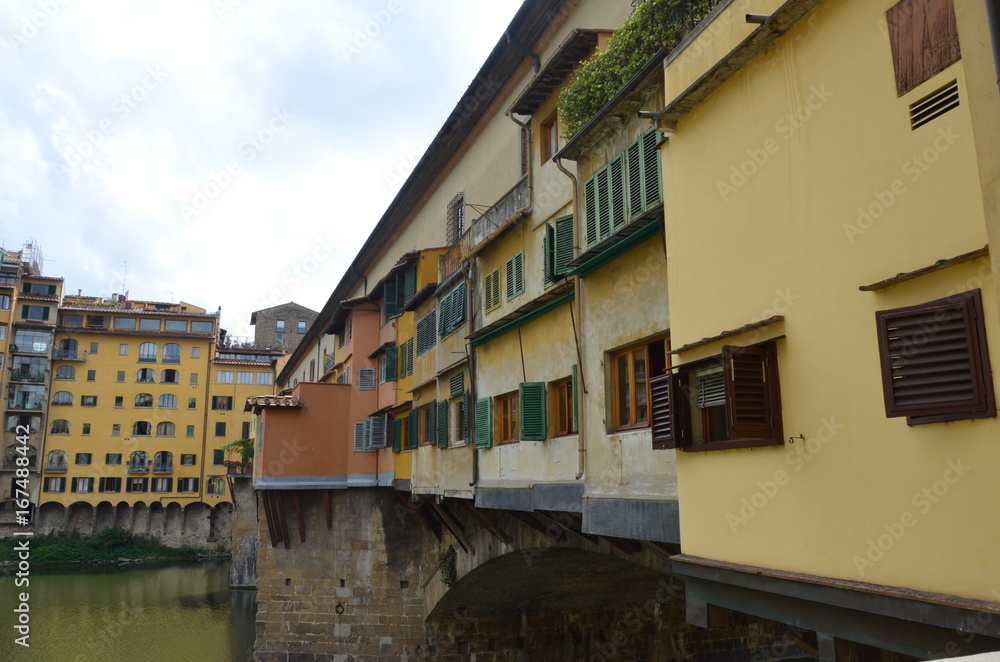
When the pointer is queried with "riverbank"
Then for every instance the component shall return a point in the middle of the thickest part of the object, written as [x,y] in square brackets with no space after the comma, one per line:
[111,545]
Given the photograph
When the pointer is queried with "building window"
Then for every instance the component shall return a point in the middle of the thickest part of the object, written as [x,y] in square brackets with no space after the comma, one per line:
[175,325]
[216,485]
[88,400]
[146,375]
[196,352]
[279,326]
[93,348]
[65,372]
[192,403]
[455,218]
[167,401]
[728,401]
[138,485]
[113,458]
[194,378]
[190,431]
[172,353]
[34,312]
[121,375]
[550,137]
[187,459]
[406,358]
[148,352]
[427,332]
[300,326]
[127,323]
[59,426]
[116,430]
[491,290]
[110,485]
[144,400]
[187,485]
[147,324]
[452,310]
[138,462]
[245,427]
[83,458]
[564,407]
[460,418]
[164,429]
[220,429]
[247,377]
[170,376]
[224,377]
[264,379]
[935,363]
[427,427]
[5,302]
[82,485]
[222,402]
[55,484]
[202,327]
[62,398]
[86,428]
[142,429]
[3,332]
[218,456]
[630,371]
[163,462]
[123,349]
[507,418]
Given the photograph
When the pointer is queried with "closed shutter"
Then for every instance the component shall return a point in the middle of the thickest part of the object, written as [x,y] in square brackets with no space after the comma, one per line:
[515,275]
[652,179]
[390,304]
[748,405]
[409,285]
[395,437]
[616,190]
[101,484]
[442,424]
[575,384]
[603,204]
[484,422]
[444,314]
[377,430]
[590,206]
[563,252]
[366,379]
[664,424]
[73,483]
[391,361]
[359,436]
[412,428]
[509,278]
[456,384]
[458,306]
[633,158]
[432,423]
[532,408]
[923,37]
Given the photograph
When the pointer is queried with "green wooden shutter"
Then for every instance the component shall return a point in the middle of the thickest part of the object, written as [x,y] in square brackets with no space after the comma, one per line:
[532,407]
[145,484]
[52,289]
[467,397]
[412,428]
[442,424]
[633,158]
[548,257]
[590,206]
[170,485]
[563,251]
[509,278]
[456,384]
[603,204]
[432,423]
[458,306]
[72,484]
[484,422]
[391,356]
[575,385]
[390,304]
[26,288]
[652,178]
[100,484]
[394,435]
[194,483]
[409,285]
[616,190]
[518,273]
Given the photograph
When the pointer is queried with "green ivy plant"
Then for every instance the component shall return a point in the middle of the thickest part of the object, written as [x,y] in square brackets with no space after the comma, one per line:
[243,447]
[654,25]
[446,564]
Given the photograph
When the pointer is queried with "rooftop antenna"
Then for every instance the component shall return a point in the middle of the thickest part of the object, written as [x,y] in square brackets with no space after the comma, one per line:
[124,271]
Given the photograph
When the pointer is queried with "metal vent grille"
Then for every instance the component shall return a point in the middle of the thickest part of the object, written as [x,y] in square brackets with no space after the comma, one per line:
[934,105]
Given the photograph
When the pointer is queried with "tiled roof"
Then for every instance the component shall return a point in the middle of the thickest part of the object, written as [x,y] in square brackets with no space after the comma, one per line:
[240,362]
[121,310]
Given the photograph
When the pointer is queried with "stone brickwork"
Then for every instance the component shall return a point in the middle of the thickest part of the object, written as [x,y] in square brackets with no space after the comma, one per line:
[265,325]
[246,536]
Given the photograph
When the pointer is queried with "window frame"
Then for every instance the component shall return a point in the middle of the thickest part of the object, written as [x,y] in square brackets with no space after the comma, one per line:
[506,415]
[616,405]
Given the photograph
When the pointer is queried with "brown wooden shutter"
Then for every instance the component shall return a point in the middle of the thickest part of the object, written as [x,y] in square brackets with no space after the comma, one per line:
[748,401]
[666,411]
[934,358]
[923,35]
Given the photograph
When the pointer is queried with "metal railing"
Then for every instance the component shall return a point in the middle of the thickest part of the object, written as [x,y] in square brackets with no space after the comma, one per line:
[502,212]
[239,468]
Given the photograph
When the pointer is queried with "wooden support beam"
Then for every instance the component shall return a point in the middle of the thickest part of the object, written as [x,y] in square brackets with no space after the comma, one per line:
[429,522]
[568,523]
[298,516]
[487,523]
[452,524]
[546,531]
[283,523]
[265,498]
[624,545]
[329,510]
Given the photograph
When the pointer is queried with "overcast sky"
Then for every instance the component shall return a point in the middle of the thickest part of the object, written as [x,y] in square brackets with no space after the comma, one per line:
[233,153]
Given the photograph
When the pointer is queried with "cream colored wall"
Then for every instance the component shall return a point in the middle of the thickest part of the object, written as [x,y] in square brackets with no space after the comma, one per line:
[789,240]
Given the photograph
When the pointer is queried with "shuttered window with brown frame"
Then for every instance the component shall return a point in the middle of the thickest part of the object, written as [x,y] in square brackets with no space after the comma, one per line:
[729,401]
[935,364]
[923,35]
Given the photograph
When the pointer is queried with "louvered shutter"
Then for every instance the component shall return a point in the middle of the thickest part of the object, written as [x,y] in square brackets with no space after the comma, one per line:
[603,204]
[101,483]
[711,388]
[170,485]
[413,428]
[575,385]
[395,436]
[484,422]
[73,483]
[444,314]
[652,178]
[467,412]
[458,305]
[390,304]
[748,403]
[532,408]
[633,158]
[495,289]
[145,484]
[377,432]
[456,384]
[442,424]
[509,278]
[548,261]
[359,436]
[391,361]
[432,423]
[563,252]
[666,429]
[616,191]
[932,358]
[590,204]
[366,379]
[409,285]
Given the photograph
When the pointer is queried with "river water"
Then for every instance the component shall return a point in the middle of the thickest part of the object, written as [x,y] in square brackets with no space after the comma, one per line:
[153,613]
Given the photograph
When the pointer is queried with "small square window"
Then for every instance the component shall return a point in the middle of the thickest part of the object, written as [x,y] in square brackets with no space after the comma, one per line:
[88,400]
[86,428]
[194,378]
[192,403]
[92,375]
[119,401]
[116,430]
[300,326]
[93,348]
[123,349]
[190,430]
[220,429]
[121,375]
[113,458]
[187,459]
[83,458]
[195,352]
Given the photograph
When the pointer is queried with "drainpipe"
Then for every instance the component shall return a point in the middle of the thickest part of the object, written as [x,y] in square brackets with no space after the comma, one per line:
[471,415]
[529,171]
[577,329]
[993,15]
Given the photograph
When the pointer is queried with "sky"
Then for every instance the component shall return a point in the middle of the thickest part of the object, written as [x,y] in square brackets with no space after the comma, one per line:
[225,153]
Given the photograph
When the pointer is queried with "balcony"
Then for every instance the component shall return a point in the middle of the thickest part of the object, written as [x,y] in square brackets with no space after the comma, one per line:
[68,355]
[55,467]
[451,261]
[30,348]
[239,468]
[9,465]
[138,468]
[33,405]
[27,376]
[500,215]
[167,468]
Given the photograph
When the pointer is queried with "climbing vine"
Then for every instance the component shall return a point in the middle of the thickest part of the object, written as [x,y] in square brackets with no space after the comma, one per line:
[654,25]
[446,565]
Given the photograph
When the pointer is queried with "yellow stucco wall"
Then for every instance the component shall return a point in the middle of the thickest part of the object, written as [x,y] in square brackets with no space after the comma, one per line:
[794,184]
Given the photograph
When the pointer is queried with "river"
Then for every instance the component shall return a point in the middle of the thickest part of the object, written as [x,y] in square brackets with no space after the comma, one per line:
[149,612]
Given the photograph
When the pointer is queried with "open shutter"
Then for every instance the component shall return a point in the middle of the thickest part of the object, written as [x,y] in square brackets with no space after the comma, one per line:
[509,278]
[484,422]
[563,252]
[170,485]
[444,315]
[359,436]
[145,485]
[575,384]
[73,483]
[377,432]
[458,305]
[603,204]
[652,181]
[616,189]
[413,428]
[432,423]
[748,404]
[366,379]
[101,484]
[532,408]
[390,304]
[409,285]
[548,257]
[467,412]
[666,427]
[395,429]
[590,204]
[633,158]
[391,361]
[442,424]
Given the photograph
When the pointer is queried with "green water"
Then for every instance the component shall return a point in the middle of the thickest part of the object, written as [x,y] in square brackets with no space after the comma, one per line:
[168,613]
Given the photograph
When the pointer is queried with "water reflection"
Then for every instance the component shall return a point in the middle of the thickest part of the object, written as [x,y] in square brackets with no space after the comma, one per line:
[173,613]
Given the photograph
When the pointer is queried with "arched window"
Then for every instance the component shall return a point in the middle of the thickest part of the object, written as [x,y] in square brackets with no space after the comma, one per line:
[168,401]
[164,429]
[138,462]
[59,426]
[144,400]
[141,429]
[67,349]
[147,352]
[33,423]
[62,398]
[170,376]
[163,462]
[14,452]
[147,375]
[65,372]
[56,461]
[172,353]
